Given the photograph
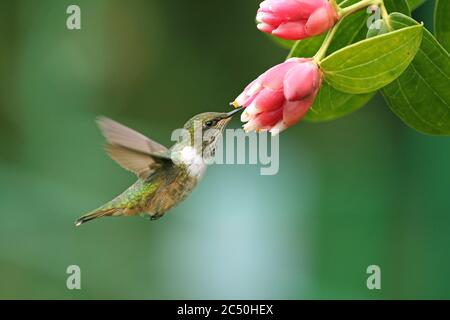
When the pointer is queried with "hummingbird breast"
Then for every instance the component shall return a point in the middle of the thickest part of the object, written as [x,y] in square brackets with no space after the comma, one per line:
[191,160]
[175,185]
[163,189]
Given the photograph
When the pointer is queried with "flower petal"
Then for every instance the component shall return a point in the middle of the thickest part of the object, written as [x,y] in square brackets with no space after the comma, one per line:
[264,27]
[273,78]
[276,129]
[293,111]
[269,99]
[301,81]
[320,20]
[266,120]
[291,30]
[268,18]
[289,9]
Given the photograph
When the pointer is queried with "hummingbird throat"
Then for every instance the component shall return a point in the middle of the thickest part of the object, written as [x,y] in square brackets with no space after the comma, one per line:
[193,161]
[196,147]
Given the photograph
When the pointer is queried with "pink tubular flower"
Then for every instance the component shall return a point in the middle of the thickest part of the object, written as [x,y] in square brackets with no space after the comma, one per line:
[295,19]
[281,96]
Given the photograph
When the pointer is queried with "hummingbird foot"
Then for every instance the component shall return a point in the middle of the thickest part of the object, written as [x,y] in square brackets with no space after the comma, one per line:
[151,217]
[156,216]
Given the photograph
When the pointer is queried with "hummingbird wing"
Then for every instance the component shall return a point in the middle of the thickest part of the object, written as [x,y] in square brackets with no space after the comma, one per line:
[142,164]
[118,134]
[131,150]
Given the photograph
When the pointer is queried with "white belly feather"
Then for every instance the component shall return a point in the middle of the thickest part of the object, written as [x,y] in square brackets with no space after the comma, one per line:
[194,162]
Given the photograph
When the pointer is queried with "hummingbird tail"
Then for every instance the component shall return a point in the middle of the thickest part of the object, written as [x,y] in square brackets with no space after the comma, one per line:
[95,215]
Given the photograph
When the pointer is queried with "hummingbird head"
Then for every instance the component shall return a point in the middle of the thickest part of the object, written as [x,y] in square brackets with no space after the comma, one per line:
[210,125]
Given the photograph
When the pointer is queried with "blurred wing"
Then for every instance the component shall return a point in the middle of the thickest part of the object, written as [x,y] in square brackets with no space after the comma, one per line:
[132,150]
[141,164]
[118,134]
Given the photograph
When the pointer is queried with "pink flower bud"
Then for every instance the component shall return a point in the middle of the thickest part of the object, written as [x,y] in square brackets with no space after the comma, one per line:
[295,19]
[281,96]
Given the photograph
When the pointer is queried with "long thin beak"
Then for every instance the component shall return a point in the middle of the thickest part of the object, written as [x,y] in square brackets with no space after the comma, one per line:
[233,112]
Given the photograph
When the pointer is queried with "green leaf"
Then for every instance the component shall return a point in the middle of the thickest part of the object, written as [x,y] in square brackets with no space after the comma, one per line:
[329,103]
[352,29]
[414,4]
[355,27]
[378,28]
[373,63]
[421,95]
[442,23]
[397,6]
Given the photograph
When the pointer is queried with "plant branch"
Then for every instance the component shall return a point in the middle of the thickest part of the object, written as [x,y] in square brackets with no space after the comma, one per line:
[293,49]
[343,13]
[358,6]
[326,43]
[385,16]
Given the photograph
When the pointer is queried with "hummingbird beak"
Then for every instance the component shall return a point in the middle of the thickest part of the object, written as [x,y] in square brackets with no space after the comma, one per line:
[232,113]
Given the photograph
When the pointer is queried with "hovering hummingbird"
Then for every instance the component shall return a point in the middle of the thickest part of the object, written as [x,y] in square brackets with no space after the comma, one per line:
[165,176]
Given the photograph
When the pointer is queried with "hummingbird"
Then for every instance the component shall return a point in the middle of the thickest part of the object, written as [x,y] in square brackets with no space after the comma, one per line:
[165,176]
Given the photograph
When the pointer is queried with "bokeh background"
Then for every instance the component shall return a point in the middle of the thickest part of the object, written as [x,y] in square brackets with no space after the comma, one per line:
[362,190]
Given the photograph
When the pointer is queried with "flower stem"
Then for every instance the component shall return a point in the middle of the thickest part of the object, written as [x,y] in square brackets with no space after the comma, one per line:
[342,13]
[293,49]
[358,6]
[326,43]
[385,15]
[336,7]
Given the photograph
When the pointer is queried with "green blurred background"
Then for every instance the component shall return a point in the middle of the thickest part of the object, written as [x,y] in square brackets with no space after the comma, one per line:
[358,191]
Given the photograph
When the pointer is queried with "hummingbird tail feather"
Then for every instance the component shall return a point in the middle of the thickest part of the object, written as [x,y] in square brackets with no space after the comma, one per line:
[94,215]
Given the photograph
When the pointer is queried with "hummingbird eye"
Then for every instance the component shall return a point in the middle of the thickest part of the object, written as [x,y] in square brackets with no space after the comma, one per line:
[210,123]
